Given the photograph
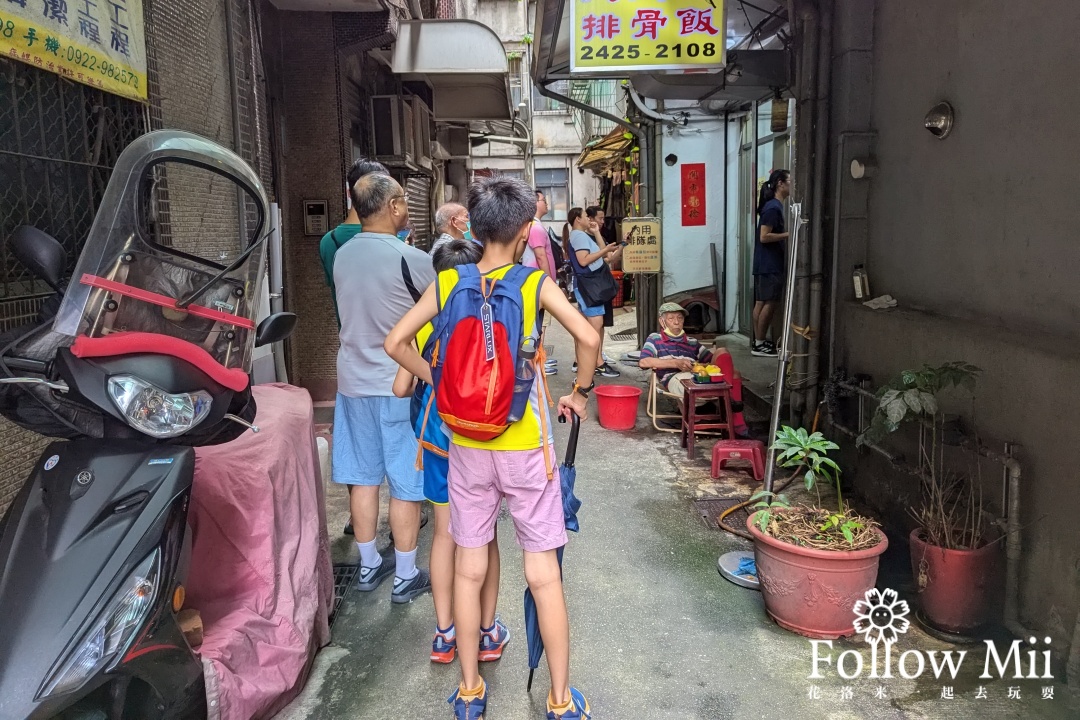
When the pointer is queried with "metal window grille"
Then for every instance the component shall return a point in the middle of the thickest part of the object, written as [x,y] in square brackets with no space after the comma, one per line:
[58,143]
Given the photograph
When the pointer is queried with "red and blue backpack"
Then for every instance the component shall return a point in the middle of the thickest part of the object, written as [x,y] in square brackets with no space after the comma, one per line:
[473,352]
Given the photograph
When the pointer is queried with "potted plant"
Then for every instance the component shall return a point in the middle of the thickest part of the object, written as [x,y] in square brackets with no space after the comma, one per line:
[814,563]
[955,555]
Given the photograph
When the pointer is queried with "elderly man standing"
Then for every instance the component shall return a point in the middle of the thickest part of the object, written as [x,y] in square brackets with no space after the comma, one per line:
[378,279]
[671,354]
[452,223]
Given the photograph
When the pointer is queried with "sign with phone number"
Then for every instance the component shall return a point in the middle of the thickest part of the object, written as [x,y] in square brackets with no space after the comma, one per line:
[612,37]
[100,43]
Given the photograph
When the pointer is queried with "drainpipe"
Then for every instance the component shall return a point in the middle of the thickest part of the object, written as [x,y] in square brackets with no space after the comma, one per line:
[817,213]
[723,232]
[681,120]
[804,146]
[838,193]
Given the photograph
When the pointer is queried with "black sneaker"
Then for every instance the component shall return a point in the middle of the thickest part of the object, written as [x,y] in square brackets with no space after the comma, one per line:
[607,371]
[408,590]
[370,578]
[764,349]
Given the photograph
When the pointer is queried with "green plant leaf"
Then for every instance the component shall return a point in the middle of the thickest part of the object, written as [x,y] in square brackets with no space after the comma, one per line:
[896,410]
[809,479]
[760,494]
[848,534]
[929,403]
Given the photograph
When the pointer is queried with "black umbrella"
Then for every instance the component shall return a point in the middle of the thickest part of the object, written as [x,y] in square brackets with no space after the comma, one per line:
[571,505]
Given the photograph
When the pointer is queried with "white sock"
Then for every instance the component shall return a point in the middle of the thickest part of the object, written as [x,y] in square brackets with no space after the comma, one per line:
[369,556]
[448,634]
[406,564]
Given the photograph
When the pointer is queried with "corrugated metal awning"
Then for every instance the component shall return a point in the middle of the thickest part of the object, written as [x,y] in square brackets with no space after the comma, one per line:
[464,62]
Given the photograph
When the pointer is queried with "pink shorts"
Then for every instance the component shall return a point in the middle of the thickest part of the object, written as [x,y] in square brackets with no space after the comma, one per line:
[480,479]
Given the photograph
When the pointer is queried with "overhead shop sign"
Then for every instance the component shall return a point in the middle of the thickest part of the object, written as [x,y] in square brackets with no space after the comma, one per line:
[613,37]
[100,43]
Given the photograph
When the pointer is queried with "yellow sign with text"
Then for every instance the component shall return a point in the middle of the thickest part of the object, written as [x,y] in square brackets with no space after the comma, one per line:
[100,43]
[612,37]
[643,245]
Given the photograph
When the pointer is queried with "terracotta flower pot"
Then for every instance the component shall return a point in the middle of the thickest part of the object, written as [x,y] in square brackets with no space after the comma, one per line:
[813,592]
[955,586]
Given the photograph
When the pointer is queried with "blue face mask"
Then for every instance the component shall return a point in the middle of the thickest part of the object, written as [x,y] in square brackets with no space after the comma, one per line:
[468,230]
[403,235]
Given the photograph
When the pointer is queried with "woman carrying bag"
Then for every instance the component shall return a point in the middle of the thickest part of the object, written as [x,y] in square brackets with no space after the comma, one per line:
[594,284]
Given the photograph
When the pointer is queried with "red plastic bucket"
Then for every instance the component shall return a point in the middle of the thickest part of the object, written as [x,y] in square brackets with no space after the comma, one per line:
[618,405]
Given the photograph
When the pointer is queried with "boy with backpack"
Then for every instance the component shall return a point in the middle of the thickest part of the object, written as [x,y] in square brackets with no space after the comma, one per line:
[434,441]
[486,366]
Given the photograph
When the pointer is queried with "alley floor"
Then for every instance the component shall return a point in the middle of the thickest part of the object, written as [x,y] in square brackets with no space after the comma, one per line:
[656,632]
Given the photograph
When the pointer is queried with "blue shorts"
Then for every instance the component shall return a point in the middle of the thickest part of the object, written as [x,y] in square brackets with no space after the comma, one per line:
[585,309]
[436,469]
[373,439]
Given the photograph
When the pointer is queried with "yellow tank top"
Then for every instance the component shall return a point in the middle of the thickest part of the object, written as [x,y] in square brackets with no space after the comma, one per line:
[529,432]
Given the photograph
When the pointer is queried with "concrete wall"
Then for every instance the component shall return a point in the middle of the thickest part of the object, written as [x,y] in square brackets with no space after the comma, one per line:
[307,104]
[688,253]
[971,236]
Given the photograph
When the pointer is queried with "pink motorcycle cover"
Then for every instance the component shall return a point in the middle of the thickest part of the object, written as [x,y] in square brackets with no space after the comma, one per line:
[260,568]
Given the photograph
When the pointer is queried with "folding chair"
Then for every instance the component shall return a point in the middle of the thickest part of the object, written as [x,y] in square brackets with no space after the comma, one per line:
[655,393]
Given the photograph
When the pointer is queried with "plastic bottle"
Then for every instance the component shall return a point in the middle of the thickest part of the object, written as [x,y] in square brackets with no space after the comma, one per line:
[862,283]
[524,377]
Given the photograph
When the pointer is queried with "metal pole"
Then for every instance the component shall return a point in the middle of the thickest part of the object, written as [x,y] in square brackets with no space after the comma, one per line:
[782,362]
[234,80]
[277,294]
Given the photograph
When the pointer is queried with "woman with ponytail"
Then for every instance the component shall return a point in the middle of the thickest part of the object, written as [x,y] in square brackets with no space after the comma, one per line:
[770,259]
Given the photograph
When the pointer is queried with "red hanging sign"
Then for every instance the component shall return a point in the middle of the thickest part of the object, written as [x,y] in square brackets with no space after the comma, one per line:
[693,194]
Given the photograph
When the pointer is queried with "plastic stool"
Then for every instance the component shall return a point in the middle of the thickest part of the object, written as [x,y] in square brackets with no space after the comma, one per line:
[752,450]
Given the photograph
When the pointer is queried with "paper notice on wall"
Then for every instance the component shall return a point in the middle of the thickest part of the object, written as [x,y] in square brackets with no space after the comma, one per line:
[100,43]
[643,245]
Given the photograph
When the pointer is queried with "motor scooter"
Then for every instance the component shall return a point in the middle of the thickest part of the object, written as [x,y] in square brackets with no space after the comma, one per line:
[143,354]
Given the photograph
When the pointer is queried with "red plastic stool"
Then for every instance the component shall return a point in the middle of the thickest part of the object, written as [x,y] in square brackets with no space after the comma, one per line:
[752,450]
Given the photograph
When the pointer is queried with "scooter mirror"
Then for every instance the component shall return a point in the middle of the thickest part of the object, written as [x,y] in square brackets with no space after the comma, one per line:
[40,253]
[275,328]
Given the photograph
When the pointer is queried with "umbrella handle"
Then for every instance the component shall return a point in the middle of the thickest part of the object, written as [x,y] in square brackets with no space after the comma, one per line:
[571,444]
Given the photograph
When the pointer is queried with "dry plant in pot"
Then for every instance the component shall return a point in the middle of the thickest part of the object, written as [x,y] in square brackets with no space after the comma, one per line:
[955,553]
[814,563]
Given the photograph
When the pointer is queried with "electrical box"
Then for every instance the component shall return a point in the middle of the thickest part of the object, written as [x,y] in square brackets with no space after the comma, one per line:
[316,220]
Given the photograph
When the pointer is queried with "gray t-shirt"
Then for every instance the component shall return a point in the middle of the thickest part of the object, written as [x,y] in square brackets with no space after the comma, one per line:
[378,279]
[581,240]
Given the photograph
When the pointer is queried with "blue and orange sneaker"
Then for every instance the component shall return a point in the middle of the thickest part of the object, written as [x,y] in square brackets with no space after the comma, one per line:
[493,641]
[469,708]
[444,646]
[578,710]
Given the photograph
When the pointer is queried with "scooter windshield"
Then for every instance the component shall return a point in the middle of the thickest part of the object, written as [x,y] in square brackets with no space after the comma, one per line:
[177,248]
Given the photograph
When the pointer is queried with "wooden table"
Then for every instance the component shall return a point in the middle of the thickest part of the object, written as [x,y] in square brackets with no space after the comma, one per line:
[694,421]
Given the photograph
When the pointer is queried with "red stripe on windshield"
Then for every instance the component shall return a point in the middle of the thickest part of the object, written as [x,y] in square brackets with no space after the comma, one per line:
[165,301]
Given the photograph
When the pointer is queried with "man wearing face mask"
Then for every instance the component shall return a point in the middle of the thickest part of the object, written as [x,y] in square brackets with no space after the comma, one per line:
[452,223]
[378,279]
[671,354]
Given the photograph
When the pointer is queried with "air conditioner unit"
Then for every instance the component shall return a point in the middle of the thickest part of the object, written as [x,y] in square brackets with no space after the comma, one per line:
[422,120]
[394,130]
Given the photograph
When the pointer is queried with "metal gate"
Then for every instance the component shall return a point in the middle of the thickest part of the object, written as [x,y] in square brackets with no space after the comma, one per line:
[418,190]
[58,143]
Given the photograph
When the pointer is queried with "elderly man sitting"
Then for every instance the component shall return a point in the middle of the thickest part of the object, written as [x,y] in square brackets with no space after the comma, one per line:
[671,354]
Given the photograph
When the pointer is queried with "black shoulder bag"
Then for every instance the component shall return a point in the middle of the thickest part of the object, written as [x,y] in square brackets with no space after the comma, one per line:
[597,287]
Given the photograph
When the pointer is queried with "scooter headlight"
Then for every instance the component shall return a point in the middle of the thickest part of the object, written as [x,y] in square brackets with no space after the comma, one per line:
[153,411]
[113,632]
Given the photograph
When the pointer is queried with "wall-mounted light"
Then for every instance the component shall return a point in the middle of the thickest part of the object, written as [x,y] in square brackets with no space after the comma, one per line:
[862,168]
[939,121]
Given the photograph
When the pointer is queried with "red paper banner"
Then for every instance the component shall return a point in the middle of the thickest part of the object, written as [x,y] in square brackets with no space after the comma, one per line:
[693,194]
